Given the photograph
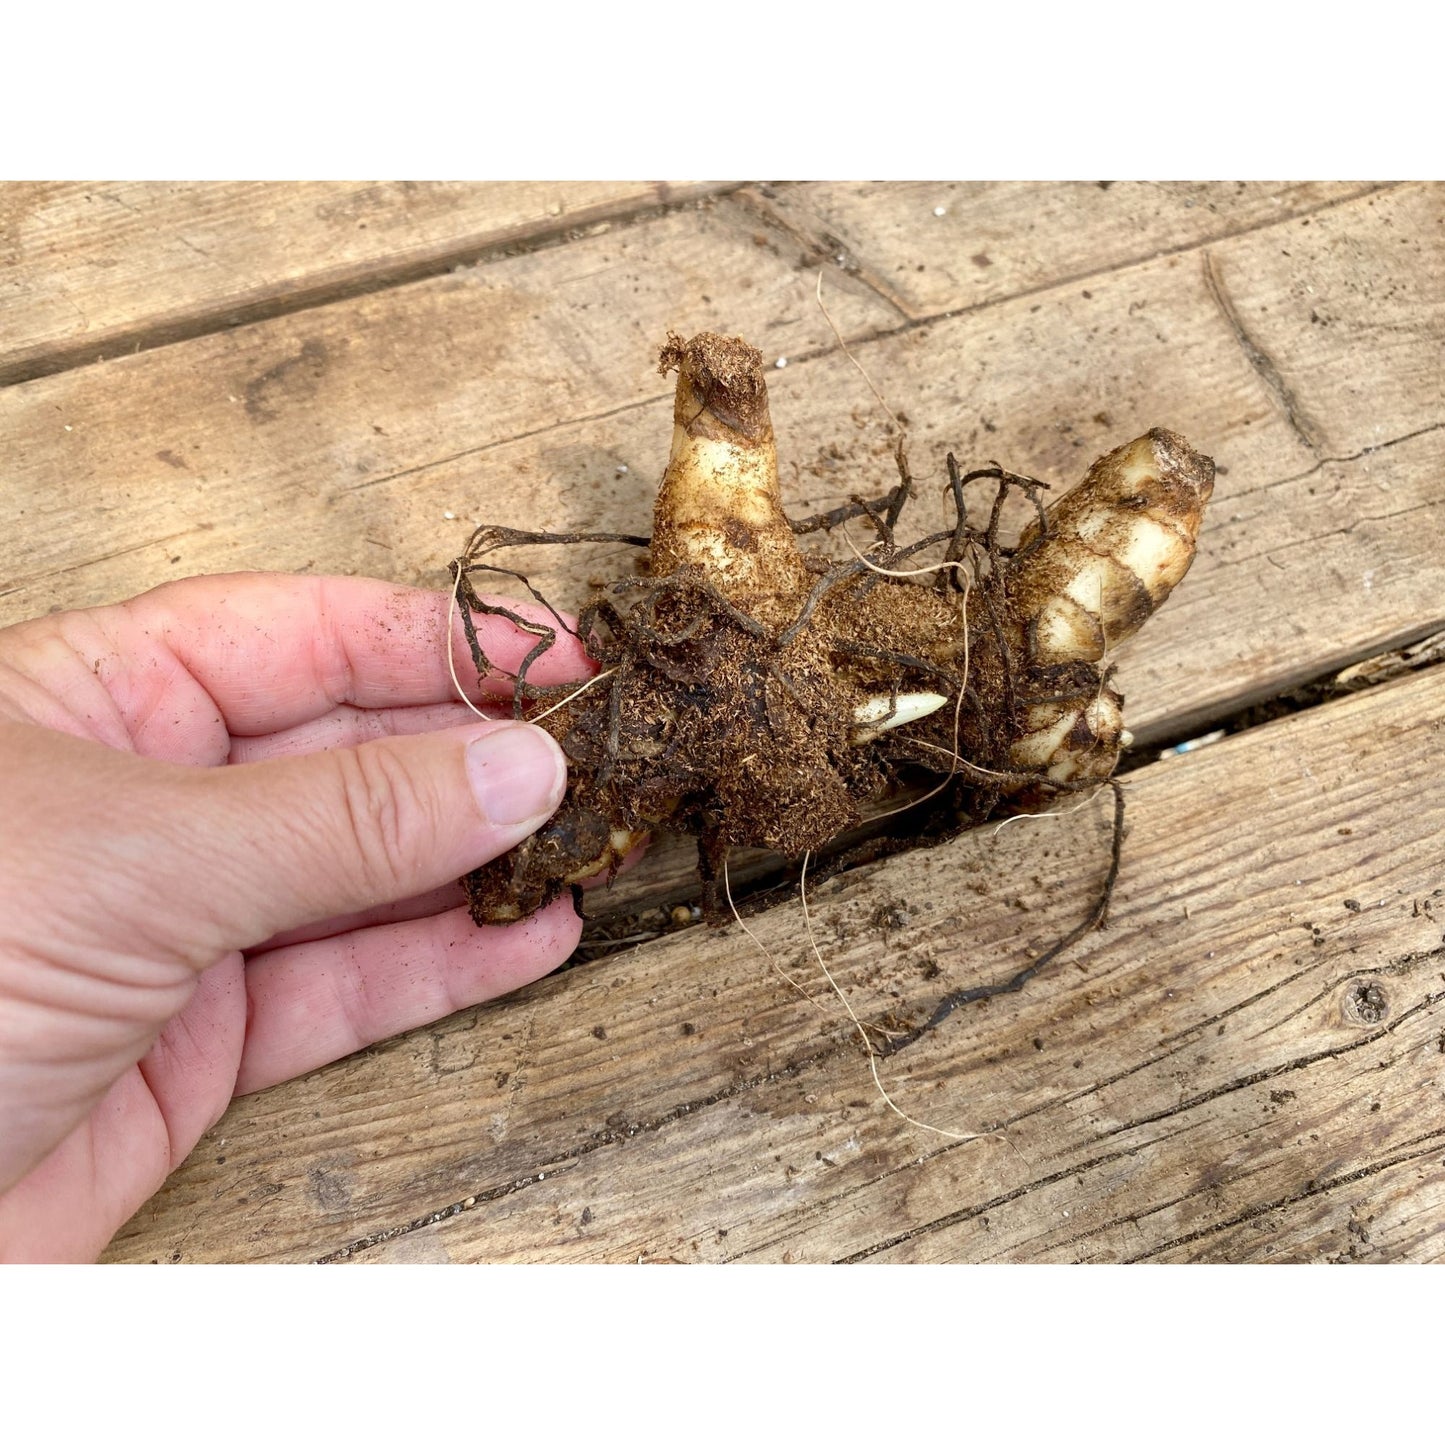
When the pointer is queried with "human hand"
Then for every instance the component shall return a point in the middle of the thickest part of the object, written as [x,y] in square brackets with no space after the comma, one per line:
[232,814]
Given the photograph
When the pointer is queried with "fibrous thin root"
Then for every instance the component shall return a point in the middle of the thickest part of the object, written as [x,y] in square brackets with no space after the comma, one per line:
[776,966]
[1098,915]
[818,297]
[575,693]
[451,659]
[893,572]
[1055,813]
[857,1024]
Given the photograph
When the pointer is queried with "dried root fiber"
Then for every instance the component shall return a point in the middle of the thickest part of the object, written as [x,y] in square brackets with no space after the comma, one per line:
[754,694]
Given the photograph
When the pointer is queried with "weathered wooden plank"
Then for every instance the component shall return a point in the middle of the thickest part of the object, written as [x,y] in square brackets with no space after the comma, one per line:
[1259,1026]
[203,442]
[90,269]
[994,240]
[512,390]
[1371,280]
[96,269]
[1384,1212]
[290,363]
[338,439]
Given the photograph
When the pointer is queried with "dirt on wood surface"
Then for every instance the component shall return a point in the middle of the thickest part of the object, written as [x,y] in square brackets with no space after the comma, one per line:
[1244,1065]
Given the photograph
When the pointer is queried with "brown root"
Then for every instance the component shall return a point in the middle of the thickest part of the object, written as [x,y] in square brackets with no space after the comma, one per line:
[755,696]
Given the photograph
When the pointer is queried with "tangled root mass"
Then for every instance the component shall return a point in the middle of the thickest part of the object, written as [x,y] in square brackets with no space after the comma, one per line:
[752,694]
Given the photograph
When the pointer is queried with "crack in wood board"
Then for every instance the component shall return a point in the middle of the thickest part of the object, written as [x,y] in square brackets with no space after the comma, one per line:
[1304,427]
[1095,1161]
[819,241]
[1308,1192]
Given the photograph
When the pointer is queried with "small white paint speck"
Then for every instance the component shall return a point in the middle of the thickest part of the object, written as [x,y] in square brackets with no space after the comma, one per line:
[1368,579]
[67,428]
[621,471]
[781,362]
[940,210]
[449,516]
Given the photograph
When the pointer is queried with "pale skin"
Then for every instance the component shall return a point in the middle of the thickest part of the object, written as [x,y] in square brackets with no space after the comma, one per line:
[232,814]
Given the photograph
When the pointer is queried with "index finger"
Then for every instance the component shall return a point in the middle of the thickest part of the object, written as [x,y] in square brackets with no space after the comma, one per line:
[272,650]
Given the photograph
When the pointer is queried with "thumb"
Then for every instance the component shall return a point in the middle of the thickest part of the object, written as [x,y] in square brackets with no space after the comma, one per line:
[271,845]
[122,877]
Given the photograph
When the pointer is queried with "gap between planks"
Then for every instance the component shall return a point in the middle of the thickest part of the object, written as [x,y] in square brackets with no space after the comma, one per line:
[1425,1008]
[668,877]
[1293,1002]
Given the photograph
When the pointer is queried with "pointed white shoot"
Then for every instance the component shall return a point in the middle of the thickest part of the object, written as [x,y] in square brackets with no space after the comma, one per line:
[878,715]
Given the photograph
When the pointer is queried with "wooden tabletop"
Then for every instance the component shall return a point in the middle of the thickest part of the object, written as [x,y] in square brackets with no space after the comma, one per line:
[1248,1063]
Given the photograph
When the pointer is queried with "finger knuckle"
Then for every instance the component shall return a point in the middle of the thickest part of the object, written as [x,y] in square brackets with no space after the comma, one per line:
[389,816]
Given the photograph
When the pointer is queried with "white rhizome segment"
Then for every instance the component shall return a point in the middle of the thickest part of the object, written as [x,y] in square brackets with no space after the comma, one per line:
[720,506]
[1117,545]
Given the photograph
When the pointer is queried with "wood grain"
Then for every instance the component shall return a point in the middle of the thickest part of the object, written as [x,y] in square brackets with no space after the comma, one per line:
[1257,1030]
[994,240]
[338,439]
[96,269]
[1197,1082]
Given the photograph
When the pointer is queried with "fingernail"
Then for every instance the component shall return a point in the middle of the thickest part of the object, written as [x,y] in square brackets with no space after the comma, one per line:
[517,774]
